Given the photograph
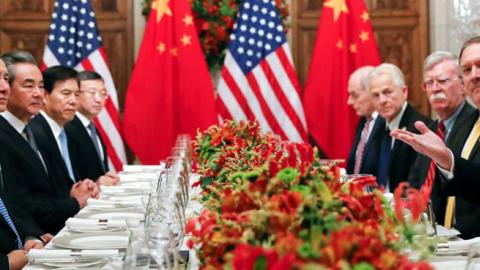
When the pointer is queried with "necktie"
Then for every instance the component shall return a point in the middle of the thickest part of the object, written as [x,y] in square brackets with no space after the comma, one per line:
[66,154]
[28,134]
[384,164]
[8,219]
[2,184]
[30,138]
[467,150]
[432,168]
[361,145]
[93,136]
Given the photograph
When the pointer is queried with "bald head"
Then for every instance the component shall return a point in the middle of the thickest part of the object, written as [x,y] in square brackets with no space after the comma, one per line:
[358,96]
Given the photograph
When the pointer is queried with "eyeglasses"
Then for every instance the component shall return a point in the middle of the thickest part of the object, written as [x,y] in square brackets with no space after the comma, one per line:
[443,82]
[93,93]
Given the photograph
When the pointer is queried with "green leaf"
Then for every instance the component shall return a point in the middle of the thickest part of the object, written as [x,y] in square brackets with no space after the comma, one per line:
[260,263]
[287,175]
[206,181]
[363,266]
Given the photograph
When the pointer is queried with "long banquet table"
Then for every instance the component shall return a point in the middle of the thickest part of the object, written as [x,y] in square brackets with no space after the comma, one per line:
[92,210]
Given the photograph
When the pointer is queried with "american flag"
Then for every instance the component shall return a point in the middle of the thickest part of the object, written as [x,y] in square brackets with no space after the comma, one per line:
[74,41]
[258,78]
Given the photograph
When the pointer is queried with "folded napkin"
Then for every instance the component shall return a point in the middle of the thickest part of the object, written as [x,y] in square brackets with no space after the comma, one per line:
[138,177]
[111,204]
[143,168]
[142,185]
[130,198]
[121,189]
[79,223]
[444,232]
[34,254]
[462,245]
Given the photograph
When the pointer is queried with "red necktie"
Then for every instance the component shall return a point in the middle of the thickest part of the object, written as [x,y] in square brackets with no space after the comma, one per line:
[361,145]
[431,169]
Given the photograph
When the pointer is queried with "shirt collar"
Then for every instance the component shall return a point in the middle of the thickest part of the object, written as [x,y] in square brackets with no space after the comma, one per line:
[54,126]
[395,123]
[16,123]
[85,121]
[451,120]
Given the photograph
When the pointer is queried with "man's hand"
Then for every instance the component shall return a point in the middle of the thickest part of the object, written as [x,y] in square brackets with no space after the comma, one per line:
[17,259]
[46,238]
[426,143]
[109,179]
[81,191]
[93,187]
[29,244]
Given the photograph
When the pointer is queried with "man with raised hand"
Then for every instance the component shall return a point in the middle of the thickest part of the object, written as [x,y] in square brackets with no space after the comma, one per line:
[461,171]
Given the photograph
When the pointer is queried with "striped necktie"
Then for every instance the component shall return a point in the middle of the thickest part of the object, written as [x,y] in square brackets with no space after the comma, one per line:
[8,219]
[93,135]
[361,145]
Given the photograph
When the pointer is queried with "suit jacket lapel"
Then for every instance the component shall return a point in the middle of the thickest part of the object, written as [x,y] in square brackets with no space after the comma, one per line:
[19,141]
[461,128]
[402,125]
[52,142]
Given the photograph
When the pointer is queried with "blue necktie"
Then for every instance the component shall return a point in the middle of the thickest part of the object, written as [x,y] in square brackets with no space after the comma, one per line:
[66,154]
[8,219]
[384,164]
[93,135]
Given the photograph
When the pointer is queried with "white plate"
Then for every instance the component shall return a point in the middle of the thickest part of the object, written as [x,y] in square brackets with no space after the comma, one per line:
[112,214]
[98,240]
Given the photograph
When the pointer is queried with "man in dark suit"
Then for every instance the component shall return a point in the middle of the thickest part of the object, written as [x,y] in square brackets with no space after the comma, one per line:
[387,86]
[461,172]
[49,202]
[444,89]
[90,159]
[364,155]
[17,229]
[60,104]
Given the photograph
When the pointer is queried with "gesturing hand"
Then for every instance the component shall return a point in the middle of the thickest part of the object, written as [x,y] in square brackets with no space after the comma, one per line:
[426,143]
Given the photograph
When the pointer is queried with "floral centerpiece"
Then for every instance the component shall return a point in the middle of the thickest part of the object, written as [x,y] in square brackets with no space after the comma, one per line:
[271,204]
[214,20]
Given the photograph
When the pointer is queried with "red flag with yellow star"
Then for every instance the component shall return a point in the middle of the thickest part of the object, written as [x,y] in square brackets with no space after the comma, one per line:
[170,91]
[345,42]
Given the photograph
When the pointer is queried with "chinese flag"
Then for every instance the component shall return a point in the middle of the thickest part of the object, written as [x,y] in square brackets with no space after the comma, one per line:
[345,42]
[170,91]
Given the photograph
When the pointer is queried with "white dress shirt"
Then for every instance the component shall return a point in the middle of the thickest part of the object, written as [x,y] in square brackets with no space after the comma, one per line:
[55,128]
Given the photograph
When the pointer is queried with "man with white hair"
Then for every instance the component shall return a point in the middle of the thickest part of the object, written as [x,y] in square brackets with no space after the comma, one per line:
[442,82]
[364,154]
[461,172]
[389,92]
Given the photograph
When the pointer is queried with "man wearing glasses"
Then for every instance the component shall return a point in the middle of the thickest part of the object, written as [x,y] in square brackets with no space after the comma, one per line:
[91,159]
[444,88]
[460,172]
